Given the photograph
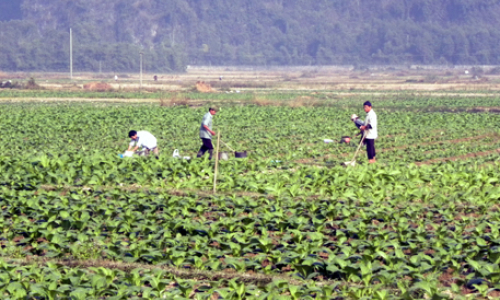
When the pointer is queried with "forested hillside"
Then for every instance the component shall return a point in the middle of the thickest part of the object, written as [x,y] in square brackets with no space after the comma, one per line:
[174,33]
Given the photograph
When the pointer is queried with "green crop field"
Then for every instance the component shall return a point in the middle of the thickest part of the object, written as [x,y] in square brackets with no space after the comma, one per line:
[288,222]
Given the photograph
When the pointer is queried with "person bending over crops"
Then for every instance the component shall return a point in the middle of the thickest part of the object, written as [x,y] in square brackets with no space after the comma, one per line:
[358,124]
[145,140]
[371,131]
[206,133]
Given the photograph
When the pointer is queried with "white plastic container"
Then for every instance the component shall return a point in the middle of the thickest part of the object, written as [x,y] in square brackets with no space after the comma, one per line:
[328,141]
[223,156]
[128,154]
[176,154]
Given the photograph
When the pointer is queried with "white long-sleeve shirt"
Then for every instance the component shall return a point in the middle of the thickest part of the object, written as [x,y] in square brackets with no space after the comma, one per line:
[371,119]
[144,140]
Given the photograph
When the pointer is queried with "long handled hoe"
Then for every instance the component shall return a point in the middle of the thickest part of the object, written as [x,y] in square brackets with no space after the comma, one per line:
[352,163]
[227,146]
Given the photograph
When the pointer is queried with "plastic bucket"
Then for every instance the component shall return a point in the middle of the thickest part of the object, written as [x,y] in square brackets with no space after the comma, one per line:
[240,154]
[345,139]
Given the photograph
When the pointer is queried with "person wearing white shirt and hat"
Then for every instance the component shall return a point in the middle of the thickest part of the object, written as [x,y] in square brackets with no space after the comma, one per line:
[371,131]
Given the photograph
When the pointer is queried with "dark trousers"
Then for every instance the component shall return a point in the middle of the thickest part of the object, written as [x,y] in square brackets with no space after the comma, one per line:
[207,146]
[370,148]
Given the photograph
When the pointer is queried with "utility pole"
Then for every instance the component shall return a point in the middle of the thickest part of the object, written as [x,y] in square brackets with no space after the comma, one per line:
[141,69]
[70,54]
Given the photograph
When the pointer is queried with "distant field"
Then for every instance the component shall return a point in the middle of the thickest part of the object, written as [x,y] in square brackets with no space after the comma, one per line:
[288,222]
[293,79]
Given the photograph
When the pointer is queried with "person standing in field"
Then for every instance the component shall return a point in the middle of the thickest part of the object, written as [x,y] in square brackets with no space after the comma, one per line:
[145,140]
[206,133]
[371,133]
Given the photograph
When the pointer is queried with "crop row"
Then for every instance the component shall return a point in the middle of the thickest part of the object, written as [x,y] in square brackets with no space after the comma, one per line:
[263,176]
[55,281]
[266,131]
[390,231]
[360,235]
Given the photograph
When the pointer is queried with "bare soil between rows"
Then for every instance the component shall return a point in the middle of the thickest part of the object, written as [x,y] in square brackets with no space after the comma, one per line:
[458,157]
[385,150]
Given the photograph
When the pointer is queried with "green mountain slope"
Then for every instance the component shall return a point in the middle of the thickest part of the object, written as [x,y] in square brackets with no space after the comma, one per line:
[173,33]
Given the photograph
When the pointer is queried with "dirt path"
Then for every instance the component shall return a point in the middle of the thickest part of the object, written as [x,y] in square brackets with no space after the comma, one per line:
[455,141]
[191,273]
[418,93]
[459,157]
[135,188]
[92,100]
[436,150]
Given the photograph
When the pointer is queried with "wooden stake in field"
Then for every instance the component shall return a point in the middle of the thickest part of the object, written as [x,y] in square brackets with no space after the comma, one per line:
[216,162]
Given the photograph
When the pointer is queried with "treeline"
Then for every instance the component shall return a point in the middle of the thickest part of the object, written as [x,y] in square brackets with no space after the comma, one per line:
[174,33]
[24,49]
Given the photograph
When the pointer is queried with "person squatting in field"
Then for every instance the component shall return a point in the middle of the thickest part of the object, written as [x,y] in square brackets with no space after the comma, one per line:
[206,133]
[145,140]
[371,131]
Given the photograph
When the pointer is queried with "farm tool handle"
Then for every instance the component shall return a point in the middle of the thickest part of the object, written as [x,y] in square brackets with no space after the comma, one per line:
[359,147]
[227,146]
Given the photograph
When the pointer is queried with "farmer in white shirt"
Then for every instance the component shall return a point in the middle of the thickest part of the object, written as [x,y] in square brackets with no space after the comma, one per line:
[145,140]
[206,133]
[371,131]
